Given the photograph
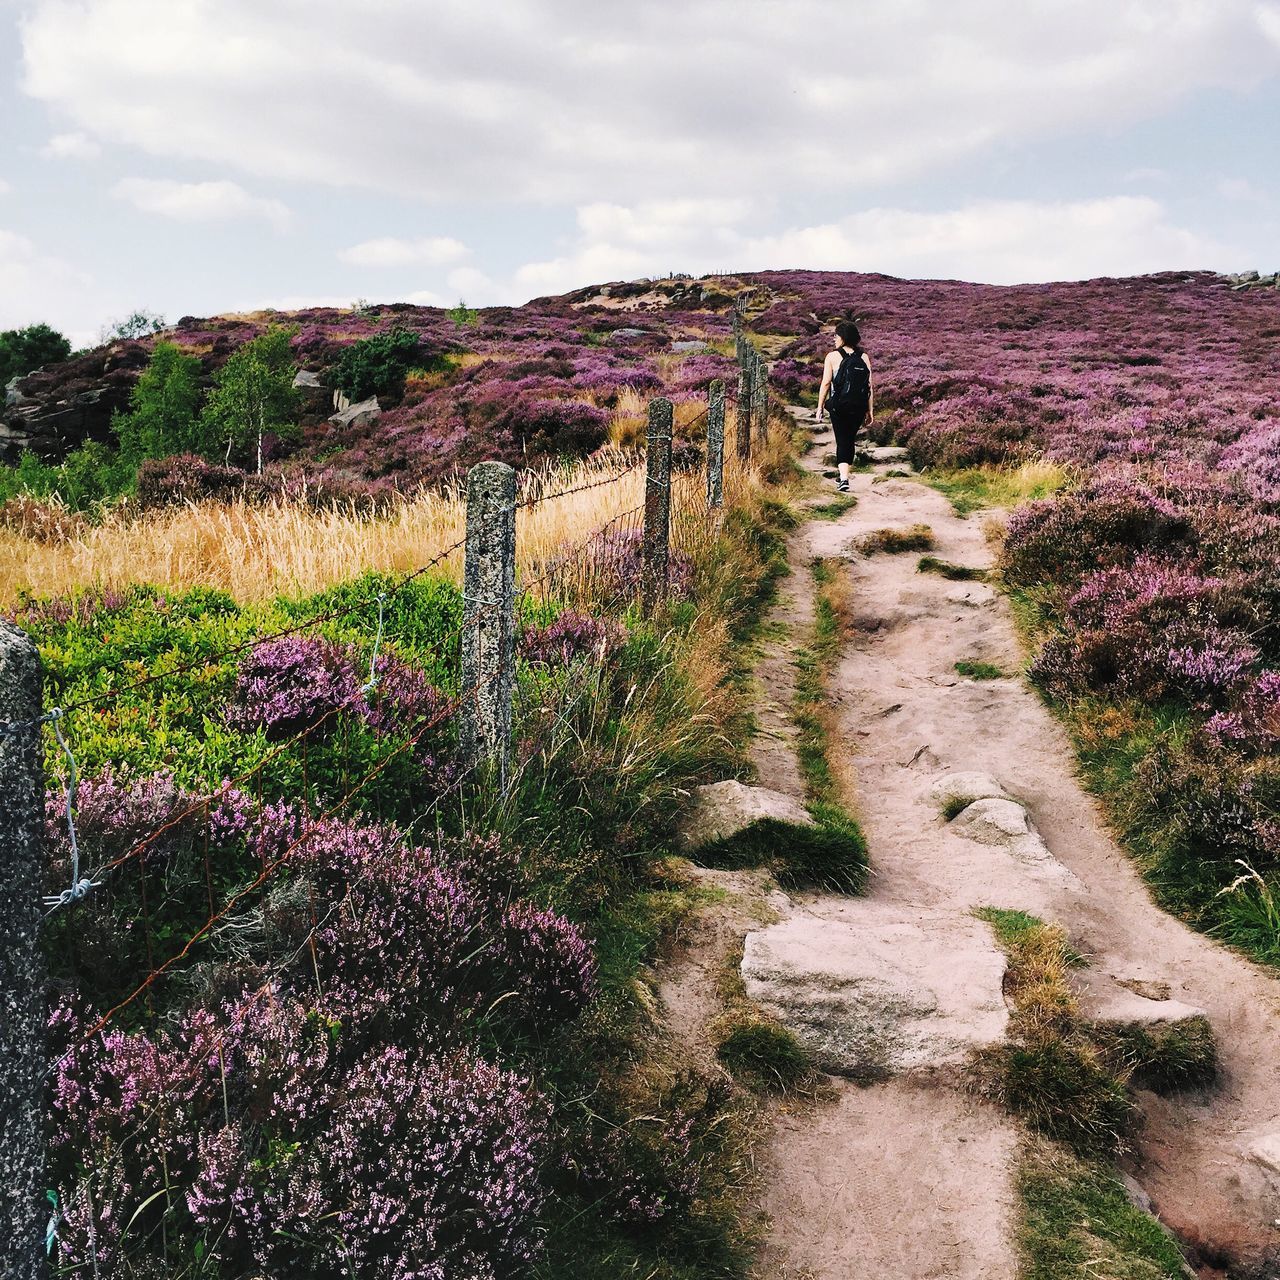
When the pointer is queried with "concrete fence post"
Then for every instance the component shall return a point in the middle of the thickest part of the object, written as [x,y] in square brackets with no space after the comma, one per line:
[24,1211]
[489,616]
[715,445]
[742,415]
[760,397]
[657,505]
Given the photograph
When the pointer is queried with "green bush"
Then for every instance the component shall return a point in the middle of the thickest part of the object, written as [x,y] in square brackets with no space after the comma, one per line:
[377,365]
[163,409]
[24,350]
[764,1053]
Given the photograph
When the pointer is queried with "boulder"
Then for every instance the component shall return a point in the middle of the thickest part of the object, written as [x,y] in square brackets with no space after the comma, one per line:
[959,790]
[885,453]
[1006,824]
[358,415]
[721,810]
[689,346]
[306,379]
[883,989]
[622,334]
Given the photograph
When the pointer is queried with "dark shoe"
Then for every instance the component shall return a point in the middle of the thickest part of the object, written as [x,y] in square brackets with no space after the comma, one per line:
[842,487]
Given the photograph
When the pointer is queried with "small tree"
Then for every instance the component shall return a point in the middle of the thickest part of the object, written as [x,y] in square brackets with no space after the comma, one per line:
[139,324]
[377,365]
[253,393]
[22,350]
[163,409]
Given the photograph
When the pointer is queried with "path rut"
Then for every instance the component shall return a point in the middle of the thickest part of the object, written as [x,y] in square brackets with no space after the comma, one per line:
[907,719]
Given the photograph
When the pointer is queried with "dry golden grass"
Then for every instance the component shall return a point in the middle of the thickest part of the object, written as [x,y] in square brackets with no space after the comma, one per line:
[257,552]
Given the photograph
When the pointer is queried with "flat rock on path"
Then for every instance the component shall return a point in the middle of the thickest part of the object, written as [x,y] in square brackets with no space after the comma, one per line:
[721,810]
[881,990]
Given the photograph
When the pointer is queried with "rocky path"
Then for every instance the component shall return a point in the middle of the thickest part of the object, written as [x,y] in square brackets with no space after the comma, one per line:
[911,1177]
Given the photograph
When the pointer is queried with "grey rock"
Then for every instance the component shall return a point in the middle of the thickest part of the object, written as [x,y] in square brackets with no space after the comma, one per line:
[1006,824]
[957,790]
[685,347]
[622,334]
[884,989]
[306,378]
[358,415]
[721,810]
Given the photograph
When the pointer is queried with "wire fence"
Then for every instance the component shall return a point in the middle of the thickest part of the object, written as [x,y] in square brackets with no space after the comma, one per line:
[386,752]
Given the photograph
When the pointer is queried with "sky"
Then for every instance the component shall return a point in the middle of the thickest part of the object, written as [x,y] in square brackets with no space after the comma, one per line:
[193,157]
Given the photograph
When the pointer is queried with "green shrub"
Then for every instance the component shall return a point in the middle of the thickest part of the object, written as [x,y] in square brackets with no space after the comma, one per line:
[955,572]
[830,855]
[1164,1059]
[24,350]
[978,670]
[164,409]
[377,366]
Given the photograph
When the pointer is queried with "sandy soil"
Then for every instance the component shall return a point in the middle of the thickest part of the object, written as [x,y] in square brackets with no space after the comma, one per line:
[909,719]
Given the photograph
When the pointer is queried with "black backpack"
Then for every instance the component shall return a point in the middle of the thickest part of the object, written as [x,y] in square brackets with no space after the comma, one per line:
[851,386]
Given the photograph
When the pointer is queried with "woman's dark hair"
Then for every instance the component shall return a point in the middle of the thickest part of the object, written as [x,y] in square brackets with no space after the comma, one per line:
[848,334]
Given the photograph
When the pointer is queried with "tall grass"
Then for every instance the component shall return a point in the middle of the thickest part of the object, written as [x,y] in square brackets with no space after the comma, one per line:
[259,551]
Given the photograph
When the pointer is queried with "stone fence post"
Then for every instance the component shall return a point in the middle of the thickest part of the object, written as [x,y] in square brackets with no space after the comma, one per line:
[23,1208]
[657,505]
[489,617]
[715,445]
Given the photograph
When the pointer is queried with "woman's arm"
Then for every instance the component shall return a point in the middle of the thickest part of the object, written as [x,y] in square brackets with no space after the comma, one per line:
[871,386]
[828,368]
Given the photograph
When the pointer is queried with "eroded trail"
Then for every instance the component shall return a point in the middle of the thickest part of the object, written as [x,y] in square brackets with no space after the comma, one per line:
[909,719]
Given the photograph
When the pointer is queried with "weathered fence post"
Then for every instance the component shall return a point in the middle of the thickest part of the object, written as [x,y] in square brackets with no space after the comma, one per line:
[489,616]
[657,505]
[715,445]
[23,1208]
[760,397]
[742,416]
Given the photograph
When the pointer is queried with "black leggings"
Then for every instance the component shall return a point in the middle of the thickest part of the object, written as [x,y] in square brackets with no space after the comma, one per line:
[845,425]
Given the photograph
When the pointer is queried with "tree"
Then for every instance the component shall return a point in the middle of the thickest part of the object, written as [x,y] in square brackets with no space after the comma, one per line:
[253,393]
[139,324]
[163,408]
[22,350]
[377,365]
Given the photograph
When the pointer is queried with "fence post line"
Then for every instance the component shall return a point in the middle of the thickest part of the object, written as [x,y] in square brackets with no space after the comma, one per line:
[489,616]
[657,505]
[742,416]
[760,397]
[24,1211]
[715,444]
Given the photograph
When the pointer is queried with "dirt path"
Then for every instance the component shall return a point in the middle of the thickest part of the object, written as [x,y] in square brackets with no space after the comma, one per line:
[910,719]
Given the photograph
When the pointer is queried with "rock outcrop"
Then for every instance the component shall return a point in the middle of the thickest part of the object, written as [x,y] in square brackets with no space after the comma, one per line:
[721,810]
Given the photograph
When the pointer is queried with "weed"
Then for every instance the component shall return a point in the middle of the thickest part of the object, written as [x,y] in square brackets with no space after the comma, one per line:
[978,670]
[917,537]
[1164,1059]
[831,854]
[955,572]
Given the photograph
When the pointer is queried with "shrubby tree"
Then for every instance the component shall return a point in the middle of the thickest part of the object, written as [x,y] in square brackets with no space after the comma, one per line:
[23,350]
[163,417]
[253,394]
[139,324]
[377,365]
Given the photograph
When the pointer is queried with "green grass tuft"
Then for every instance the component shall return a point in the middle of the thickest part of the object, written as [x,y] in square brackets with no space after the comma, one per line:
[1078,1223]
[834,509]
[979,670]
[982,488]
[1182,1055]
[955,572]
[765,1054]
[831,855]
[916,537]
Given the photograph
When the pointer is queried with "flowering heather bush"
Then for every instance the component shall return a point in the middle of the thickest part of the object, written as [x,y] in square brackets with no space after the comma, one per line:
[572,635]
[113,813]
[287,685]
[1254,723]
[186,478]
[550,961]
[1107,521]
[42,520]
[618,562]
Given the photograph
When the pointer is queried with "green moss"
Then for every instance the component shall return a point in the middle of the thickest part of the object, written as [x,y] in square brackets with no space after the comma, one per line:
[1165,1059]
[834,509]
[831,855]
[982,488]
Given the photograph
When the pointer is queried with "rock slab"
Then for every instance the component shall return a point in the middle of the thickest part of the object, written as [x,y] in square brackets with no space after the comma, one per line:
[882,990]
[721,810]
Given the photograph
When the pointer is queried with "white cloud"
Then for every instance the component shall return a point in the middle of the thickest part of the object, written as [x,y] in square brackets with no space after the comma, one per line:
[199,201]
[388,251]
[575,101]
[35,286]
[5,188]
[71,146]
[1239,190]
[998,242]
[1146,174]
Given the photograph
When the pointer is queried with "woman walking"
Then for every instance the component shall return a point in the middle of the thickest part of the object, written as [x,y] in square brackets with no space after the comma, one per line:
[847,394]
